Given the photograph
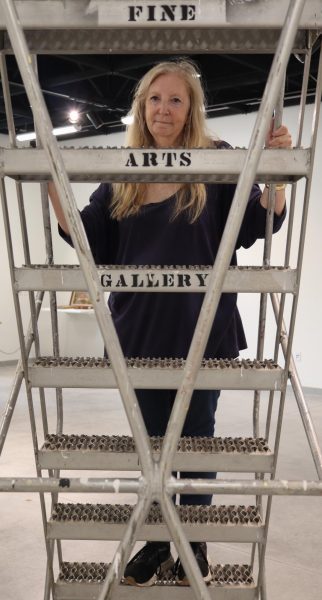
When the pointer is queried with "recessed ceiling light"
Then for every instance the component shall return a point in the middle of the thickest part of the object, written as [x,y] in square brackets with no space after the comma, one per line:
[73,116]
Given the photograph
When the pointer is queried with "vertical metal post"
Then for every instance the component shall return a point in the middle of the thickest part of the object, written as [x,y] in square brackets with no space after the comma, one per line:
[267,262]
[55,338]
[264,297]
[55,335]
[52,295]
[52,300]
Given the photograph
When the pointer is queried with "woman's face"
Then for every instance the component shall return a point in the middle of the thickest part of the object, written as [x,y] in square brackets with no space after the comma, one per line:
[166,109]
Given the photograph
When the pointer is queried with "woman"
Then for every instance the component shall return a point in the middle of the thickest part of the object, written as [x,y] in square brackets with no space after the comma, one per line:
[171,224]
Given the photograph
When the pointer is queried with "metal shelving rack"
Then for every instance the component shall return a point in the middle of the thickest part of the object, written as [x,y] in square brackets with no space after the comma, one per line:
[71,26]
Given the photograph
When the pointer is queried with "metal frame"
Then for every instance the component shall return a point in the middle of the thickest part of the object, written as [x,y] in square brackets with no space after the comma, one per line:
[156,482]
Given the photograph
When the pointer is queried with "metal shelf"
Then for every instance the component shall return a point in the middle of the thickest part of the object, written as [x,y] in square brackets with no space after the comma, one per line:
[123,164]
[117,453]
[155,279]
[154,41]
[81,581]
[109,522]
[65,372]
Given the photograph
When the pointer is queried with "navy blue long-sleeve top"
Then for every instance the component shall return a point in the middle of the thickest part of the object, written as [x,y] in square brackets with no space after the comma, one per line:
[162,324]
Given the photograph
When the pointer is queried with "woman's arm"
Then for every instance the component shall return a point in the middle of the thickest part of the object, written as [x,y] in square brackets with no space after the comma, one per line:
[279,199]
[55,201]
[101,230]
[280,138]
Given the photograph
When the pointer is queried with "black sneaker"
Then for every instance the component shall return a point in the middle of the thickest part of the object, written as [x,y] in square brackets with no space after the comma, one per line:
[200,551]
[152,561]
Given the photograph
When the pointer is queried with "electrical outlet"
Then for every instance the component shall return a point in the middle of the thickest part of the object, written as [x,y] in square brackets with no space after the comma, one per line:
[298,356]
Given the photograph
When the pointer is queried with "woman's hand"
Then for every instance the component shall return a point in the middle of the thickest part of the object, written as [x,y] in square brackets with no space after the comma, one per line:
[280,138]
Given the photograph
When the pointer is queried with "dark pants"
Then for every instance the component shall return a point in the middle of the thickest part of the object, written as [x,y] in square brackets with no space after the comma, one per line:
[156,406]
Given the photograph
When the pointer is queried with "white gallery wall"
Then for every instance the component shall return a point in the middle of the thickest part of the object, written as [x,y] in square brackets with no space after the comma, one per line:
[74,329]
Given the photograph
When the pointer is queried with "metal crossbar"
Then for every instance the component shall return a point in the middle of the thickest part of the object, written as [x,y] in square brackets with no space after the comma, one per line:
[156,482]
[155,279]
[116,164]
[180,486]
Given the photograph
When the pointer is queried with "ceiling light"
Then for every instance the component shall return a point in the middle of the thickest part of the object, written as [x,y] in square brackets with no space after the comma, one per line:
[127,120]
[73,116]
[65,130]
[26,137]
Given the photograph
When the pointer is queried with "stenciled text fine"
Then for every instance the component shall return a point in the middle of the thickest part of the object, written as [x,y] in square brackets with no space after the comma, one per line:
[162,13]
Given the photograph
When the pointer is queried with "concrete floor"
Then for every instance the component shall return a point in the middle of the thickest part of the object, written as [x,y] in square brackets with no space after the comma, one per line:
[294,553]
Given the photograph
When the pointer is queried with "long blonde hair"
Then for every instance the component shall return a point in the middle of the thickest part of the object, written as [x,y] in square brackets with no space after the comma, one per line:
[129,197]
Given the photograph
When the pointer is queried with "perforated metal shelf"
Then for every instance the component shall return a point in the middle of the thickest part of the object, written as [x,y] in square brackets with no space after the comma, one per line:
[155,41]
[81,581]
[155,373]
[108,522]
[189,278]
[118,453]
